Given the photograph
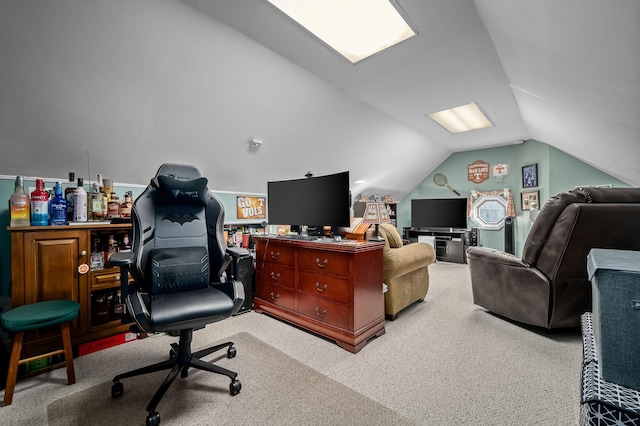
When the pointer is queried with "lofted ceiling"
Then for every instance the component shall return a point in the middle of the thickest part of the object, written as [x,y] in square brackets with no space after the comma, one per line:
[565,73]
[119,87]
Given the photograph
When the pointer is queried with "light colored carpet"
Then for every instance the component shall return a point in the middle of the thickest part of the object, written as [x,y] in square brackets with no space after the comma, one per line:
[441,362]
[277,389]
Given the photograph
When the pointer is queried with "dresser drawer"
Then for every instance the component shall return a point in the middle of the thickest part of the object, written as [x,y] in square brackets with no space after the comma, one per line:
[324,286]
[276,253]
[325,262]
[324,310]
[276,294]
[272,273]
[104,279]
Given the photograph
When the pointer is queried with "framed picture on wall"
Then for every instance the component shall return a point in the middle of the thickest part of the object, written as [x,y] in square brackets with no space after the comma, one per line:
[530,197]
[530,176]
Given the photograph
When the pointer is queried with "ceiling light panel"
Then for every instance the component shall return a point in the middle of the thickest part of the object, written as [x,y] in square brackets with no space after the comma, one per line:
[461,119]
[356,29]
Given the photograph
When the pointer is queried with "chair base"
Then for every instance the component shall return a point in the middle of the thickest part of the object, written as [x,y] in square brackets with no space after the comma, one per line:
[180,360]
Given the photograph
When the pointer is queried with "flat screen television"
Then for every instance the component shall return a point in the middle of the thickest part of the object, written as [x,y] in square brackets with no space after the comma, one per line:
[434,213]
[311,201]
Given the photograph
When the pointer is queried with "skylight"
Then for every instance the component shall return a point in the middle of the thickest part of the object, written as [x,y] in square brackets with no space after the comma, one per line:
[461,119]
[356,29]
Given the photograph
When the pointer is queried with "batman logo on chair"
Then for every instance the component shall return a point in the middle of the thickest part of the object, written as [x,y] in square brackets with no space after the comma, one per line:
[180,218]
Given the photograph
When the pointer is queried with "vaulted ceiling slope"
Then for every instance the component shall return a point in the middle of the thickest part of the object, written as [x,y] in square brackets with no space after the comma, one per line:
[119,87]
[565,73]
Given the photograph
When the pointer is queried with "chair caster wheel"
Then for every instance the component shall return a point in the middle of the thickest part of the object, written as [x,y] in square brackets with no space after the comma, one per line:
[234,387]
[231,352]
[117,390]
[153,419]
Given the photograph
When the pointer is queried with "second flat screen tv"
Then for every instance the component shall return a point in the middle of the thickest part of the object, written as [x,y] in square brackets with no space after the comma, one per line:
[434,213]
[312,201]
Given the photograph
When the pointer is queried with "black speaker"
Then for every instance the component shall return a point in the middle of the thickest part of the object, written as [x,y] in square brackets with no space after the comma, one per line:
[471,237]
[508,235]
[241,269]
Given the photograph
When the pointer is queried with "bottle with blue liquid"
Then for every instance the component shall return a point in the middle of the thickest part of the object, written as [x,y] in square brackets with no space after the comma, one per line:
[58,207]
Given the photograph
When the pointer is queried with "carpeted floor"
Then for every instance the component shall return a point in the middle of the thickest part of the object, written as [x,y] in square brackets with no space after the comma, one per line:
[278,390]
[441,362]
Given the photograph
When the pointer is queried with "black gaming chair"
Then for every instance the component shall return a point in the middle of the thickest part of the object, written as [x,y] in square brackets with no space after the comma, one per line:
[178,258]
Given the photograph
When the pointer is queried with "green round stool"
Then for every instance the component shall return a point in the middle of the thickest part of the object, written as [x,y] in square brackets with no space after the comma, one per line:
[33,317]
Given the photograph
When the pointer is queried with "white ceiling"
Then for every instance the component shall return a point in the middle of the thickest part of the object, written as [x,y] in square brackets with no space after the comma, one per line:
[120,87]
[566,73]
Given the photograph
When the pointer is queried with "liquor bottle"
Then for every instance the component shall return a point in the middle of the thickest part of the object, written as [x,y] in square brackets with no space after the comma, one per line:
[125,206]
[80,202]
[96,203]
[112,247]
[118,306]
[68,195]
[113,206]
[20,205]
[58,207]
[125,246]
[39,205]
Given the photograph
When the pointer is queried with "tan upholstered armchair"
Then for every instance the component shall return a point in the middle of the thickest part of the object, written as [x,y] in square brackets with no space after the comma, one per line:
[406,272]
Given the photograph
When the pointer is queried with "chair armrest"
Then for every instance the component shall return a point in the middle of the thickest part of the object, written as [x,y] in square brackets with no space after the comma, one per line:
[401,260]
[495,256]
[235,290]
[121,259]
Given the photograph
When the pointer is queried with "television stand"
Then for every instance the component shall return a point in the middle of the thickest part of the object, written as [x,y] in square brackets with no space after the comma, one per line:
[450,243]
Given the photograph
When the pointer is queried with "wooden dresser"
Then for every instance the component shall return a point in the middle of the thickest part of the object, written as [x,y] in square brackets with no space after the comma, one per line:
[328,287]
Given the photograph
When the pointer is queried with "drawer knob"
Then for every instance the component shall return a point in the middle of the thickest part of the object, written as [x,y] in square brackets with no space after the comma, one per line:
[275,255]
[320,288]
[321,264]
[83,253]
[275,276]
[275,297]
[117,278]
[321,313]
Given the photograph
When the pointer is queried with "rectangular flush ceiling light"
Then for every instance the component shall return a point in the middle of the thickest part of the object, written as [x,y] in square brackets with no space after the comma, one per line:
[356,29]
[461,119]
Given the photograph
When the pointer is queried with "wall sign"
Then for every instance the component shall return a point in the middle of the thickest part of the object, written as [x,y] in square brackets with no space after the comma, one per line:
[251,207]
[478,171]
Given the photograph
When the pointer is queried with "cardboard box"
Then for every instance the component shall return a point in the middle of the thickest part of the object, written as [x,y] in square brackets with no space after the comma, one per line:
[105,342]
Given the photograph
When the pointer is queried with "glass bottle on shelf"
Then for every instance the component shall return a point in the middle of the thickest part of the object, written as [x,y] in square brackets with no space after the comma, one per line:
[113,206]
[97,214]
[68,195]
[39,205]
[58,207]
[125,206]
[112,247]
[20,205]
[80,202]
[125,246]
[97,255]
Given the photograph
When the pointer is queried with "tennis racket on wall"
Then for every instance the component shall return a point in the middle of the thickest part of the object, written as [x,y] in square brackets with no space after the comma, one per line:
[441,180]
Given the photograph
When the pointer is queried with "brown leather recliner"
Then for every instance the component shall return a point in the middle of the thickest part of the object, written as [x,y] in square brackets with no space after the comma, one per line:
[405,270]
[549,286]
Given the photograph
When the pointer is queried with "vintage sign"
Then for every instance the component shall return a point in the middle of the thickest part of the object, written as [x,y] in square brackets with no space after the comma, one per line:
[478,171]
[251,207]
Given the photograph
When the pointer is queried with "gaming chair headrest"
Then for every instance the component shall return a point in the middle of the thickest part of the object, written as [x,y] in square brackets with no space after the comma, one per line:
[179,184]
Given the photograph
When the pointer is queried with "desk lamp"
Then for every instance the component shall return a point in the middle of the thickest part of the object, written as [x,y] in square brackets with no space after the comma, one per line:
[375,212]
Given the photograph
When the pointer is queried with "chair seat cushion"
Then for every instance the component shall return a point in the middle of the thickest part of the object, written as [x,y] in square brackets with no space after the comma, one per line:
[179,311]
[39,315]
